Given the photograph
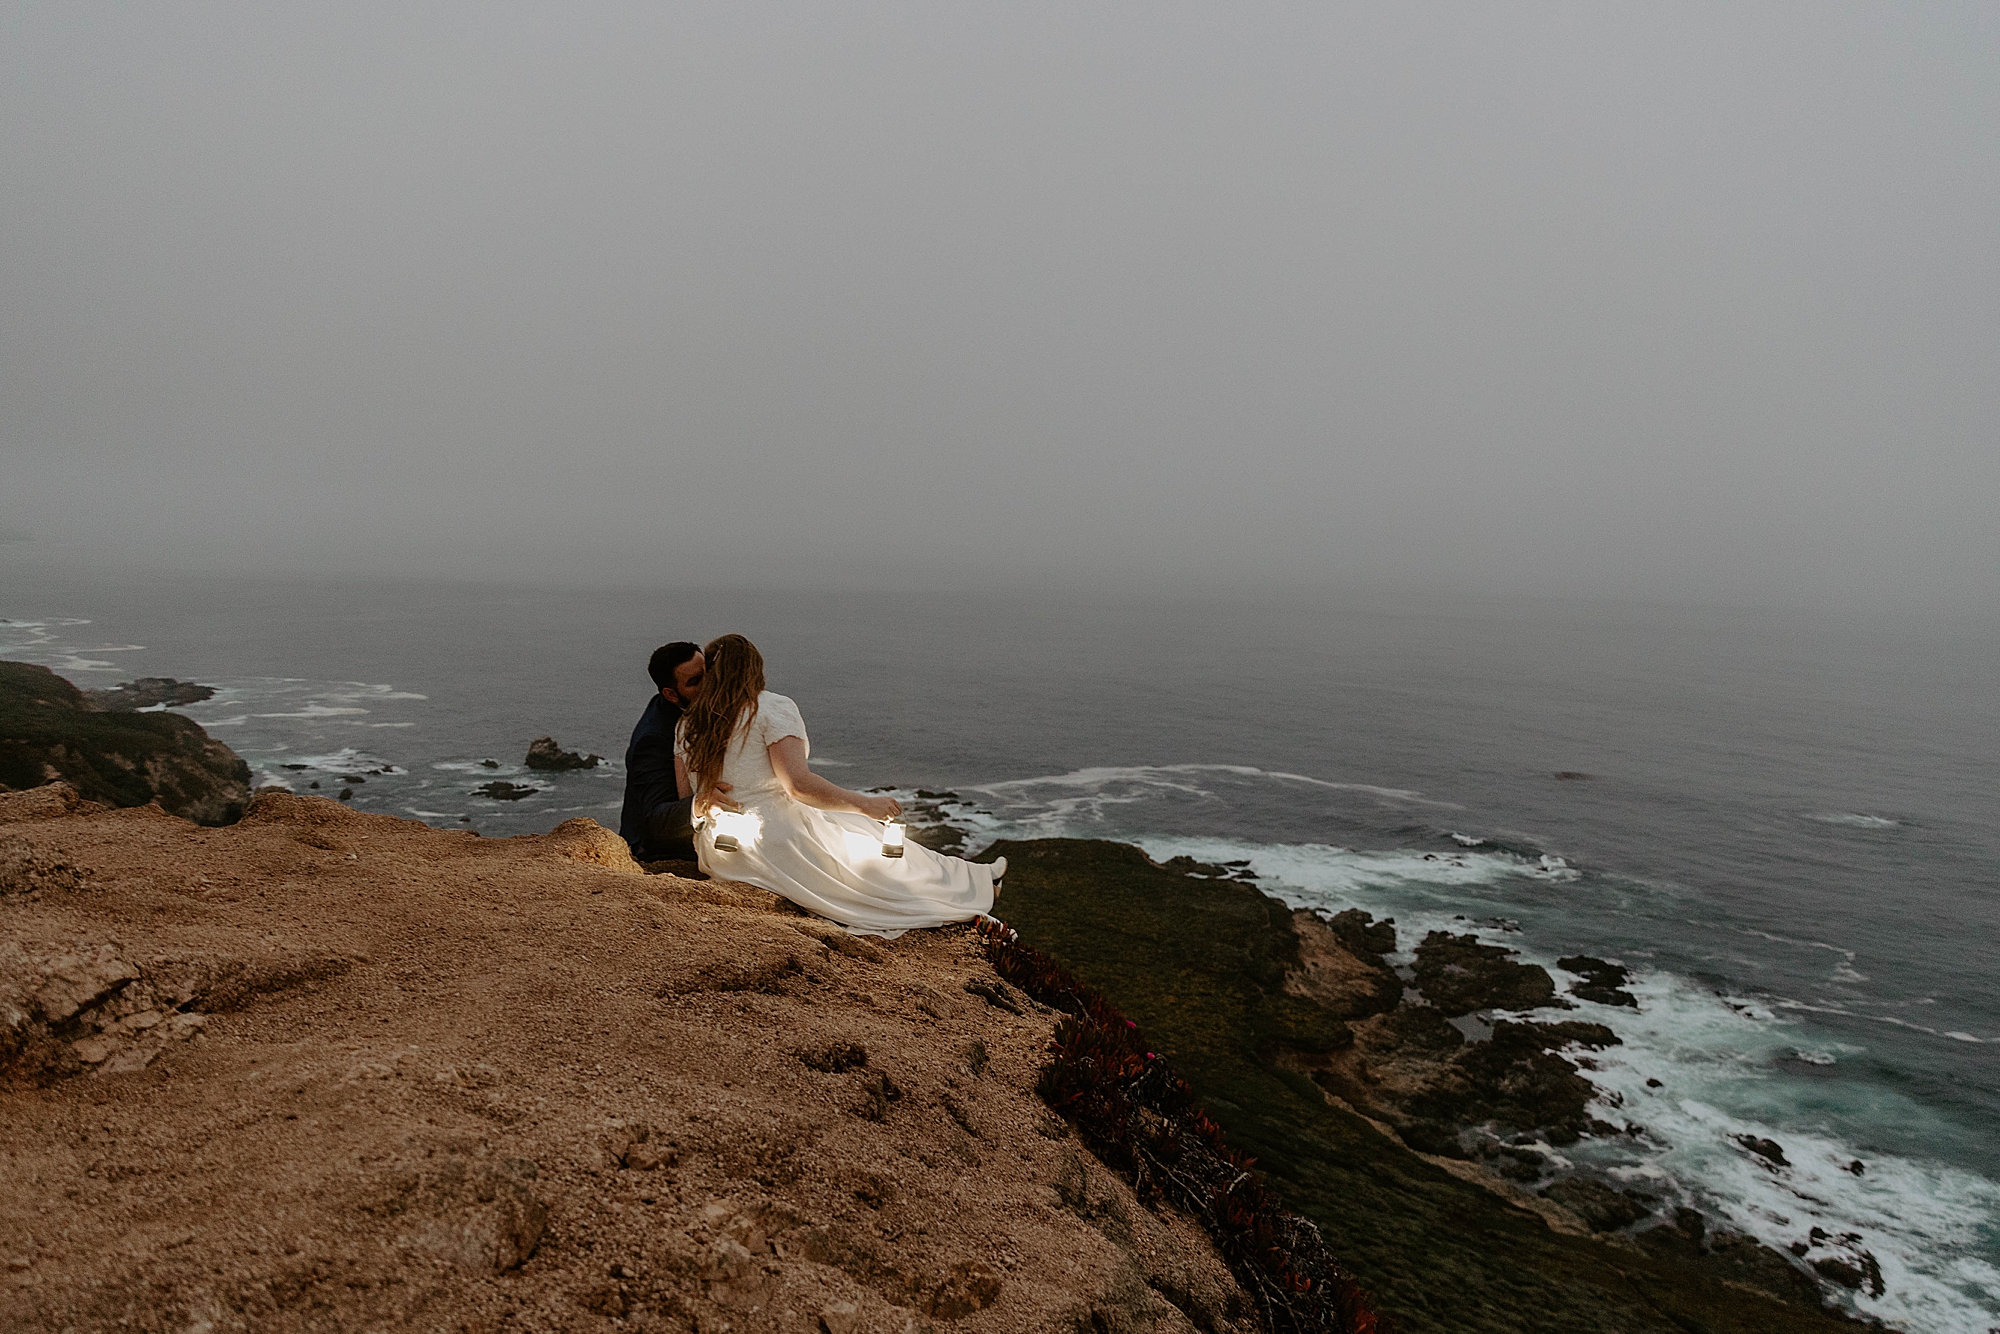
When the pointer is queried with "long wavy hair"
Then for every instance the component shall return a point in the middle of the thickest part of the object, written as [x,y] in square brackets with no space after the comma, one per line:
[726,704]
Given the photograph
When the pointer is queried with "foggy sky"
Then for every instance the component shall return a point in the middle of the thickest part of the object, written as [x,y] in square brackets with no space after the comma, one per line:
[1672,301]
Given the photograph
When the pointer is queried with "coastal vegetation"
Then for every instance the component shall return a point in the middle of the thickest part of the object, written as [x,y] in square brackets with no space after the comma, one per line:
[112,754]
[1200,964]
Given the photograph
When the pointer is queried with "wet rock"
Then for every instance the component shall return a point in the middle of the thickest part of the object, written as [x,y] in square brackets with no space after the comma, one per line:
[1601,1207]
[502,790]
[1513,1079]
[1602,981]
[49,731]
[1767,1149]
[1197,869]
[146,693]
[1458,974]
[1361,933]
[545,754]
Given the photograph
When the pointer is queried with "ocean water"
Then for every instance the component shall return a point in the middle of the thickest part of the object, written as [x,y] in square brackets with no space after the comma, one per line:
[1787,827]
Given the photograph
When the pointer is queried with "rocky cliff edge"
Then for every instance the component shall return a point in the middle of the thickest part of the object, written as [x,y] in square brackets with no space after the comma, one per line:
[322,1069]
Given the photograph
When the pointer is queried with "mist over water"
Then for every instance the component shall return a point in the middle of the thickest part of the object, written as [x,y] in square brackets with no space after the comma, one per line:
[1787,827]
[1696,302]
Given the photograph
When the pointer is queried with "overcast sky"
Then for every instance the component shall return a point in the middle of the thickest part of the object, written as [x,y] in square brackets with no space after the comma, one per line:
[1672,301]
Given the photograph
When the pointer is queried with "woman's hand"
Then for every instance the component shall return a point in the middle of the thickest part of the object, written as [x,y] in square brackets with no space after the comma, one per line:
[880,808]
[715,799]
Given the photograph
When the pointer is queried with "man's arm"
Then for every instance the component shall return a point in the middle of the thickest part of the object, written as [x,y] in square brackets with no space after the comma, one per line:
[665,815]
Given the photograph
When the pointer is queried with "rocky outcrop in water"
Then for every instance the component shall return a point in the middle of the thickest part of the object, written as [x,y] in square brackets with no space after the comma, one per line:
[544,753]
[148,692]
[1458,975]
[502,790]
[1602,982]
[49,731]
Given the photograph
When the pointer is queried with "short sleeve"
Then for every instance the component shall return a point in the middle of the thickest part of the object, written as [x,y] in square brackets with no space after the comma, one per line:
[778,718]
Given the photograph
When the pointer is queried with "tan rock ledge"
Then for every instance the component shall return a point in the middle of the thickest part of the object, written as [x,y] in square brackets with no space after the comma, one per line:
[326,1070]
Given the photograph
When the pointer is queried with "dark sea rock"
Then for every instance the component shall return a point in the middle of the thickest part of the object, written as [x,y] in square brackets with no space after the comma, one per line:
[1362,934]
[1767,1149]
[1601,981]
[502,790]
[545,754]
[1217,977]
[50,731]
[1458,975]
[145,693]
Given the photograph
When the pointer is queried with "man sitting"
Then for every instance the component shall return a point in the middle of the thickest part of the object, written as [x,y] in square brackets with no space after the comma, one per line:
[657,823]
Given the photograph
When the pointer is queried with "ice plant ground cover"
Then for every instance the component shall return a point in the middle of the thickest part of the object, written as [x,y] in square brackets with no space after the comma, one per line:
[1141,1117]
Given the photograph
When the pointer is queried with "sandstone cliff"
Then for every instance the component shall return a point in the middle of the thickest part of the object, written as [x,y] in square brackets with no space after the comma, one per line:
[329,1070]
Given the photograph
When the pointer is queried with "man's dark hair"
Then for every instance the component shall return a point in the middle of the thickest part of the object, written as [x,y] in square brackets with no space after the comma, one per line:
[667,657]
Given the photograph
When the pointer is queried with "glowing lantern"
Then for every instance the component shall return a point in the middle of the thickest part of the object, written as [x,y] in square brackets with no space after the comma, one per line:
[892,839]
[733,829]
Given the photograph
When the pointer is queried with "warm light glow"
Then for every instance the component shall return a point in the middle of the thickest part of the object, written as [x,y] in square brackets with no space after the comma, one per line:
[734,830]
[892,839]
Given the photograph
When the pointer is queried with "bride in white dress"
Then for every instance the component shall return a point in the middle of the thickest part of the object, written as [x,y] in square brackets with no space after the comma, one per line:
[797,834]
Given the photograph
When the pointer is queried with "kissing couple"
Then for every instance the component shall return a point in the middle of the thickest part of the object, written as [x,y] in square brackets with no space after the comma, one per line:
[716,772]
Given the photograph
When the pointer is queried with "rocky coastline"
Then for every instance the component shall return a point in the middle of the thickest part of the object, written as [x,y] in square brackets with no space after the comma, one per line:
[1422,1153]
[100,744]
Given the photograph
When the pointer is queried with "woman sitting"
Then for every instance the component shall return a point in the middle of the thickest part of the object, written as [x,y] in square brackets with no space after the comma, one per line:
[795,833]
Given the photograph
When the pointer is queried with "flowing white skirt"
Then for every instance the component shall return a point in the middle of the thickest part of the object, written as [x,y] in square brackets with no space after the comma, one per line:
[831,863]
